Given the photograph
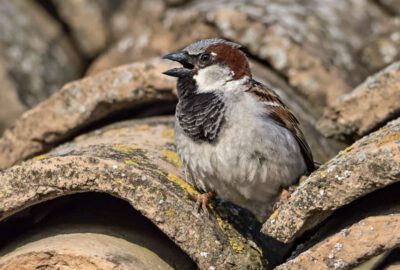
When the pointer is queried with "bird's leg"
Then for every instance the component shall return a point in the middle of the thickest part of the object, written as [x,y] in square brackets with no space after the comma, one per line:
[202,200]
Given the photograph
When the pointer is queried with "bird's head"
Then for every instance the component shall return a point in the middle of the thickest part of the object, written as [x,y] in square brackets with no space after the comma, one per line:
[211,63]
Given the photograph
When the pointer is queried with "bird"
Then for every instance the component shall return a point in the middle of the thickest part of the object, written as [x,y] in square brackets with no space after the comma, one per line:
[234,135]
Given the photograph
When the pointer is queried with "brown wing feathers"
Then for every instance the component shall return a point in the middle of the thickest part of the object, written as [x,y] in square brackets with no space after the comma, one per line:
[278,111]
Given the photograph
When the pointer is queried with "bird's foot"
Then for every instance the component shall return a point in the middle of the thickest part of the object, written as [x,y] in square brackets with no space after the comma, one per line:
[202,200]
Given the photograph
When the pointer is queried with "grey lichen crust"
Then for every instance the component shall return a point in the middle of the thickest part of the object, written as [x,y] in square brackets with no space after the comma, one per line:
[348,248]
[81,103]
[371,163]
[366,108]
[134,161]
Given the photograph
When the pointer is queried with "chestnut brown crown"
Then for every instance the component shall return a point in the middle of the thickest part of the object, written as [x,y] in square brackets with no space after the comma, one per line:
[208,52]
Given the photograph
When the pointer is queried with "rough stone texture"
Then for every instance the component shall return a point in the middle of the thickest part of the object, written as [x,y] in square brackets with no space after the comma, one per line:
[10,105]
[88,23]
[383,48]
[366,108]
[89,251]
[36,54]
[134,161]
[83,102]
[369,164]
[351,246]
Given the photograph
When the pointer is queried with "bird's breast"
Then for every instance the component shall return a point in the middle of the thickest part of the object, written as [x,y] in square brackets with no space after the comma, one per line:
[251,159]
[201,116]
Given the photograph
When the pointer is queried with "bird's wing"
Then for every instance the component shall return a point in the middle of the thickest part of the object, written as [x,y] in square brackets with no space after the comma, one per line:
[278,112]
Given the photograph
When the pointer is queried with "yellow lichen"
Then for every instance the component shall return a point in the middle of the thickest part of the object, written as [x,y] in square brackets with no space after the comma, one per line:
[126,149]
[348,149]
[117,180]
[168,133]
[274,214]
[235,241]
[172,157]
[120,182]
[389,138]
[182,183]
[131,162]
[322,174]
[169,212]
[40,157]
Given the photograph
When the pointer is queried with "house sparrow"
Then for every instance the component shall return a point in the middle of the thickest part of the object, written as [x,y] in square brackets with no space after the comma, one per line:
[234,135]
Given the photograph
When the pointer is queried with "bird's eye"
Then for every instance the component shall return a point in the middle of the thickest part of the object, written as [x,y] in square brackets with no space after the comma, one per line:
[205,58]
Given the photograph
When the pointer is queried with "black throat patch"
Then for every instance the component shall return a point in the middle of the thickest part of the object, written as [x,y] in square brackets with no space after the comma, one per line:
[201,116]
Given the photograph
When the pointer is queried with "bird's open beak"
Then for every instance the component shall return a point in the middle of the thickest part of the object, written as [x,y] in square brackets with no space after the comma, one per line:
[184,59]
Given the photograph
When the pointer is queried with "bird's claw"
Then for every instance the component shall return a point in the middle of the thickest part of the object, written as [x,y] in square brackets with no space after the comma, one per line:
[202,200]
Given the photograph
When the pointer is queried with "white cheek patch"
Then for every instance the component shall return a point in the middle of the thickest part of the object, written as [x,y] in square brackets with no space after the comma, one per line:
[213,78]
